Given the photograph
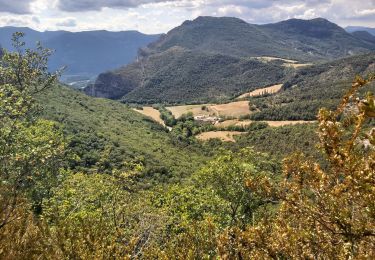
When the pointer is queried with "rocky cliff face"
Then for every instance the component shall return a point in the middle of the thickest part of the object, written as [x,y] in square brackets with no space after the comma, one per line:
[110,85]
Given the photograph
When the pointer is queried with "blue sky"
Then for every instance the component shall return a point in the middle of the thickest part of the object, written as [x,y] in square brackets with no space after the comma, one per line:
[159,16]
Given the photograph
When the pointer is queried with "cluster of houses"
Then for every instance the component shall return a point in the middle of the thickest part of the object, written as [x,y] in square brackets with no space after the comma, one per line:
[207,119]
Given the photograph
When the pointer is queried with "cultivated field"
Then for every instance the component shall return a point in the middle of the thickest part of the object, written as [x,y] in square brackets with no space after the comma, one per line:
[267,59]
[197,110]
[236,122]
[234,109]
[284,123]
[261,91]
[226,136]
[298,65]
[287,63]
[151,112]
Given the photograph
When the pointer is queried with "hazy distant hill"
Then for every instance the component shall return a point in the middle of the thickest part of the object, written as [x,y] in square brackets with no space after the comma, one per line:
[84,53]
[210,58]
[360,28]
[364,36]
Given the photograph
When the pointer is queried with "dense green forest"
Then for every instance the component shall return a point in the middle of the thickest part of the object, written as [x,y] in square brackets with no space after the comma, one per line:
[85,178]
[108,135]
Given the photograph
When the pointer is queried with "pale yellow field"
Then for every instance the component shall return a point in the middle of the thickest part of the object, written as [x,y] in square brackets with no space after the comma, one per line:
[236,122]
[270,90]
[151,112]
[298,65]
[288,63]
[283,123]
[226,136]
[267,58]
[178,111]
[234,109]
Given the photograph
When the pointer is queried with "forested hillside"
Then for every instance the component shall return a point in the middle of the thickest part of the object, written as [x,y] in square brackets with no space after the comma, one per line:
[183,76]
[107,136]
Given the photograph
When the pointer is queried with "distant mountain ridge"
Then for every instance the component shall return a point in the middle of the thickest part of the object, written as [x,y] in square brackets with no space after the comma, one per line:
[360,28]
[84,53]
[364,36]
[213,58]
[306,40]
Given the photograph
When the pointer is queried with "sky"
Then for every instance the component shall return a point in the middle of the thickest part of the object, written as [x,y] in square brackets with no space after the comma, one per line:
[159,16]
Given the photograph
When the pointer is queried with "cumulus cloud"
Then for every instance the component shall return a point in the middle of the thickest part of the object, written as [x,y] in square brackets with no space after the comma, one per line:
[68,22]
[90,5]
[15,6]
[10,20]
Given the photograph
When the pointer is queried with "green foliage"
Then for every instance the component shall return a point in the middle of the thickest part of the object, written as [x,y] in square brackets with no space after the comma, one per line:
[107,135]
[166,115]
[31,150]
[226,175]
[280,141]
[326,210]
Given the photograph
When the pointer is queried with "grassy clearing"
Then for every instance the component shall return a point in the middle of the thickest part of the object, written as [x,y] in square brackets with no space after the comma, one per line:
[268,59]
[261,91]
[226,136]
[285,123]
[197,110]
[287,63]
[233,109]
[151,112]
[298,65]
[236,122]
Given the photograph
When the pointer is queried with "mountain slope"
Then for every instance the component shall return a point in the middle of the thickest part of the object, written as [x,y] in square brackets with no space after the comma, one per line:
[317,37]
[179,76]
[209,59]
[224,35]
[295,38]
[364,36]
[84,53]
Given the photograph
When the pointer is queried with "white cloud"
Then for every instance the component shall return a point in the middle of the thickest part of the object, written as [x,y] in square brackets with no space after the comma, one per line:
[68,22]
[15,6]
[88,5]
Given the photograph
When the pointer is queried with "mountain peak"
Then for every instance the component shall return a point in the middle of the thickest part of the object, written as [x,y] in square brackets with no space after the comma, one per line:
[203,20]
[317,27]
